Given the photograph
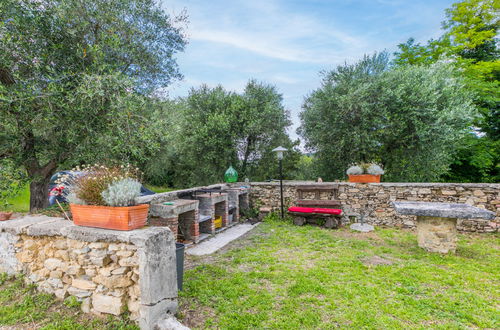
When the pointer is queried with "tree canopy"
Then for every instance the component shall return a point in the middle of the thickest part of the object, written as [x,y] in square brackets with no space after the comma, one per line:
[73,71]
[470,43]
[407,118]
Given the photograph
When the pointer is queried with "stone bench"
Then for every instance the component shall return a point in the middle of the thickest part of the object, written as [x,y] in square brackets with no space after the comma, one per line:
[437,222]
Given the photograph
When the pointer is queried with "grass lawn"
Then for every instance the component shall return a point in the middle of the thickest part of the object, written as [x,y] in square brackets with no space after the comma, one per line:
[21,202]
[22,307]
[287,277]
[159,189]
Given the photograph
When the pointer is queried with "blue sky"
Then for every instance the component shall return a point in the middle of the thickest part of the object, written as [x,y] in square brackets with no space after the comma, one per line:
[287,43]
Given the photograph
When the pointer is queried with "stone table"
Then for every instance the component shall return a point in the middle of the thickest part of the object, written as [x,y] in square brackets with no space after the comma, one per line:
[437,222]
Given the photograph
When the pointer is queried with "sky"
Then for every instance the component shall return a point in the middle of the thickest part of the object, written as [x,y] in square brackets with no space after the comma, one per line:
[288,43]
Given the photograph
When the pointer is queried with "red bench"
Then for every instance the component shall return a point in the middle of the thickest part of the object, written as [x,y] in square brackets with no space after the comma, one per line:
[324,212]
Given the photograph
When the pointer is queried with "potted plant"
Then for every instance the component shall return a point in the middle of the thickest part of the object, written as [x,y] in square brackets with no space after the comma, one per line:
[104,197]
[365,173]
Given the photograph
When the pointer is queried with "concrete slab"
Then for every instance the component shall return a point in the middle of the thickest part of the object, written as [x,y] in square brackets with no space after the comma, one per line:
[217,242]
[362,227]
[442,210]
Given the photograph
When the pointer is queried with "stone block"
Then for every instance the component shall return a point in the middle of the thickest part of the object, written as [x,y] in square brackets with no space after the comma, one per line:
[157,268]
[79,293]
[53,263]
[150,315]
[107,304]
[83,284]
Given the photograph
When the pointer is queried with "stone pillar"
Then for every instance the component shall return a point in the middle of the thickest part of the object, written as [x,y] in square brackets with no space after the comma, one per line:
[435,234]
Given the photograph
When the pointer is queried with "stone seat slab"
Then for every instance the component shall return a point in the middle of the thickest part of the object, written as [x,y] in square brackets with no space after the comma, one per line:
[179,206]
[442,210]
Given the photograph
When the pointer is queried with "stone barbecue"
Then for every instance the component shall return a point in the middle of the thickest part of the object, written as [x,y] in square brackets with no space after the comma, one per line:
[437,222]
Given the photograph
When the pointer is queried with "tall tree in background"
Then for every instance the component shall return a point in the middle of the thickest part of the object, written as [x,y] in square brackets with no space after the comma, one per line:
[470,42]
[72,72]
[218,128]
[408,118]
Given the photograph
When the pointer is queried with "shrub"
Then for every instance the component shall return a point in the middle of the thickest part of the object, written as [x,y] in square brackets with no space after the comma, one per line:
[88,186]
[122,193]
[354,170]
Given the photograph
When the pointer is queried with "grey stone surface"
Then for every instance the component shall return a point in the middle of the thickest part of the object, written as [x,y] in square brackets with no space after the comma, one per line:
[170,323]
[442,210]
[150,315]
[157,268]
[171,195]
[221,240]
[19,225]
[167,211]
[88,234]
[8,260]
[362,227]
[48,228]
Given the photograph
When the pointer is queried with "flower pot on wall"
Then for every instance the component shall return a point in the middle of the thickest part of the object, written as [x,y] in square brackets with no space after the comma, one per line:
[5,215]
[364,178]
[110,217]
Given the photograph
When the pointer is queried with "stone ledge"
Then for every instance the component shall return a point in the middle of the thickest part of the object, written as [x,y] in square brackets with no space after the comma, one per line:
[442,210]
[47,226]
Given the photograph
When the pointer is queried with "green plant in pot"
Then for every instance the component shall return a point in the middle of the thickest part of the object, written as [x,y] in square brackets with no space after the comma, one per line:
[104,197]
[365,173]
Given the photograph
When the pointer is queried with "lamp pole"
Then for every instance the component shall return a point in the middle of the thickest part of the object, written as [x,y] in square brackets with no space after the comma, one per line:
[279,152]
[281,188]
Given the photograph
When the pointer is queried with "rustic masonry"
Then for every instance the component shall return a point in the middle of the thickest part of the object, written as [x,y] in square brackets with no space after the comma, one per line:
[191,213]
[373,200]
[108,270]
[437,222]
[181,216]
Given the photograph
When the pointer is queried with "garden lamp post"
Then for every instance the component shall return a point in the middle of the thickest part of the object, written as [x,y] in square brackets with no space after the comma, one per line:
[279,152]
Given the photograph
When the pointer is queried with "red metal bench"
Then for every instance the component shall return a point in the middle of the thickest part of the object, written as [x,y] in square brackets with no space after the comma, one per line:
[325,212]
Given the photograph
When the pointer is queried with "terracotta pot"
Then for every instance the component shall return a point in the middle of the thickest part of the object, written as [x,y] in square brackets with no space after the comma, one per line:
[110,217]
[5,216]
[364,178]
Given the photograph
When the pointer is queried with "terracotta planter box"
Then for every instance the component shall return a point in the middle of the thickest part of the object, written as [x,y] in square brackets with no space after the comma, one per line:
[110,217]
[364,178]
[5,216]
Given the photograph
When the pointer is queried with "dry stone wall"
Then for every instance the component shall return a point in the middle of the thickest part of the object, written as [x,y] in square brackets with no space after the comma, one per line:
[373,200]
[108,271]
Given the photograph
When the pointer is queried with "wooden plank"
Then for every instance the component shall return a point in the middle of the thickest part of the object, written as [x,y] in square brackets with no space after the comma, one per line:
[318,202]
[312,187]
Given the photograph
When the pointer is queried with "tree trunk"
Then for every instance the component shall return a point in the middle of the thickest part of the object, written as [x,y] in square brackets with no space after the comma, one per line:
[246,156]
[39,186]
[39,193]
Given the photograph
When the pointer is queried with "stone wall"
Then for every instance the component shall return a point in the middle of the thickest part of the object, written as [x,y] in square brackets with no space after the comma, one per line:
[373,200]
[108,271]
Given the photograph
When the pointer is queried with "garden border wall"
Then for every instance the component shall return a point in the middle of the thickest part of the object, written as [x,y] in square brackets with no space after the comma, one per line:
[107,270]
[373,200]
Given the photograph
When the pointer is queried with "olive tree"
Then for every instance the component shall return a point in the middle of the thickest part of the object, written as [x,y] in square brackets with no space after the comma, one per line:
[407,118]
[73,72]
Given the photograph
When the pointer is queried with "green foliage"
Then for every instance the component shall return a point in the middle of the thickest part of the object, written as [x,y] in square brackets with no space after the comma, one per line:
[73,80]
[408,119]
[306,169]
[72,302]
[213,128]
[477,160]
[12,182]
[469,41]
